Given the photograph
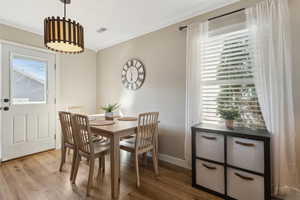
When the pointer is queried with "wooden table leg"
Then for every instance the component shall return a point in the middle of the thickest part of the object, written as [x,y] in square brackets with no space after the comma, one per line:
[156,140]
[115,166]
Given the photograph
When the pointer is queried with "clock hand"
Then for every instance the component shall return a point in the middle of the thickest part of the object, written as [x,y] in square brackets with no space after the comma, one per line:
[131,75]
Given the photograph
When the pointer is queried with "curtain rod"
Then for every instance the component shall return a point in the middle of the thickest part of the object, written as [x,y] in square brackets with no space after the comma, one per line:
[213,18]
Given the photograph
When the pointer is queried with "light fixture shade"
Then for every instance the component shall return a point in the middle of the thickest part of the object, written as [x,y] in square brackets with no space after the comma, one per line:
[63,35]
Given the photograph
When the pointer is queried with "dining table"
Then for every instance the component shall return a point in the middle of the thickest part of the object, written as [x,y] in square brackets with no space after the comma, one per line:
[115,131]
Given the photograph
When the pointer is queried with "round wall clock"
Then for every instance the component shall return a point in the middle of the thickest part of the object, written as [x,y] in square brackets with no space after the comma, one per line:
[133,74]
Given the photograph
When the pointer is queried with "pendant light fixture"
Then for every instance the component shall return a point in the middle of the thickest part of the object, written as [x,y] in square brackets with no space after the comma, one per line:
[63,35]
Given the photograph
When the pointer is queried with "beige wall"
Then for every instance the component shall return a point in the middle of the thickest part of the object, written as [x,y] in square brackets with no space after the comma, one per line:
[163,53]
[78,80]
[77,72]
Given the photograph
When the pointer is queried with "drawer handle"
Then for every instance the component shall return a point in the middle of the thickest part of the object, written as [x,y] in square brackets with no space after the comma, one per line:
[245,144]
[244,177]
[208,167]
[208,137]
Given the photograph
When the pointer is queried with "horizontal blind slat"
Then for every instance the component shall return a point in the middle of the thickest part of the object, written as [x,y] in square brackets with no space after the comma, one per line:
[226,67]
[226,71]
[228,47]
[217,51]
[244,36]
[226,60]
[218,63]
[224,56]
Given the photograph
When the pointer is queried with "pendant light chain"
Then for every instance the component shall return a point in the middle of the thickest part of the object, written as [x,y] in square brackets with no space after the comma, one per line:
[65,8]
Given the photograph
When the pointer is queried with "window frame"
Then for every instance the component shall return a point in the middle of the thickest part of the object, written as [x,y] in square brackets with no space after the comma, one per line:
[11,78]
[215,36]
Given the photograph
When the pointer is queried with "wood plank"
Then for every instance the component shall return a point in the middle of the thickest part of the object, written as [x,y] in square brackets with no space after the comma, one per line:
[37,177]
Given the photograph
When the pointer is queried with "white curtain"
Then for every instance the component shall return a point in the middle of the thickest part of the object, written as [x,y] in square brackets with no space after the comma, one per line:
[195,34]
[269,23]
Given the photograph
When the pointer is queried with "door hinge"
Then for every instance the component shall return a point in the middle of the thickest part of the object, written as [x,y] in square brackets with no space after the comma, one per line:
[54,100]
[54,136]
[54,66]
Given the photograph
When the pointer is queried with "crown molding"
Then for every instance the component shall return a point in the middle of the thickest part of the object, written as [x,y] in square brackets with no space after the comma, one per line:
[21,27]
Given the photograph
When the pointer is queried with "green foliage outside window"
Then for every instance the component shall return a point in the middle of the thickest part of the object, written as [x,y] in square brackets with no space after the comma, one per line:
[238,99]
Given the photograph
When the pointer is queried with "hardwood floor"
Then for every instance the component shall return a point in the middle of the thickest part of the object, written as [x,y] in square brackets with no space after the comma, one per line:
[37,177]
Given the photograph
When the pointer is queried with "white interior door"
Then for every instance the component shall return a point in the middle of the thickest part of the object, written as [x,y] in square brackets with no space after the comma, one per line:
[27,101]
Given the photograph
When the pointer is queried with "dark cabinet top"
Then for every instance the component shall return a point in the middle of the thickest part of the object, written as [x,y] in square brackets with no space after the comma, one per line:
[237,132]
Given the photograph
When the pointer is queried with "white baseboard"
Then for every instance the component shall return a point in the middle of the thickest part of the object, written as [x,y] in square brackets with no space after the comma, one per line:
[173,160]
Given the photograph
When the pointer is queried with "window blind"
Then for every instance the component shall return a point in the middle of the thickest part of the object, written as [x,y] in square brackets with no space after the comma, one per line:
[227,79]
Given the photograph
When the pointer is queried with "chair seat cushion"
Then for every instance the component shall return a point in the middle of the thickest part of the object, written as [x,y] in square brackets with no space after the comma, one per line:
[128,144]
[127,137]
[101,147]
[97,138]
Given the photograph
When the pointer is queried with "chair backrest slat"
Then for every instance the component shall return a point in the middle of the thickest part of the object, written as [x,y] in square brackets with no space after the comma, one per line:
[82,132]
[65,119]
[147,124]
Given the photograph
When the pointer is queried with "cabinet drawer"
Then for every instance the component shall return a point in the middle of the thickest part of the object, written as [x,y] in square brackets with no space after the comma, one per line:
[210,176]
[246,154]
[210,146]
[244,186]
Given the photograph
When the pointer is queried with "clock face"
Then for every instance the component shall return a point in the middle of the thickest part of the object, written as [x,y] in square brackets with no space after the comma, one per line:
[133,74]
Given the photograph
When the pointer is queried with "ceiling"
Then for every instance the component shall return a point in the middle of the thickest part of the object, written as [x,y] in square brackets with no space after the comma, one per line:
[124,19]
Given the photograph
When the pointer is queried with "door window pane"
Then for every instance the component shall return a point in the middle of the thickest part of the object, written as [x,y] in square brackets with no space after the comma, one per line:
[28,80]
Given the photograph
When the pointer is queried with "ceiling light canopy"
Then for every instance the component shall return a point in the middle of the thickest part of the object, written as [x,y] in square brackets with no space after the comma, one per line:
[101,30]
[63,35]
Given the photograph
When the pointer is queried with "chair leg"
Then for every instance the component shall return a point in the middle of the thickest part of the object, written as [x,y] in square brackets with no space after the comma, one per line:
[73,164]
[77,162]
[63,157]
[155,161]
[91,175]
[137,170]
[144,159]
[100,167]
[103,164]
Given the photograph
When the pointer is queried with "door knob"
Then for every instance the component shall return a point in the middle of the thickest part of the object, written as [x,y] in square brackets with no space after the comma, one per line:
[4,108]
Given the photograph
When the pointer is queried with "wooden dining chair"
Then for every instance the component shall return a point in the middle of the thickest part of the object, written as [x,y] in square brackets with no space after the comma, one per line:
[79,109]
[87,148]
[145,141]
[65,119]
